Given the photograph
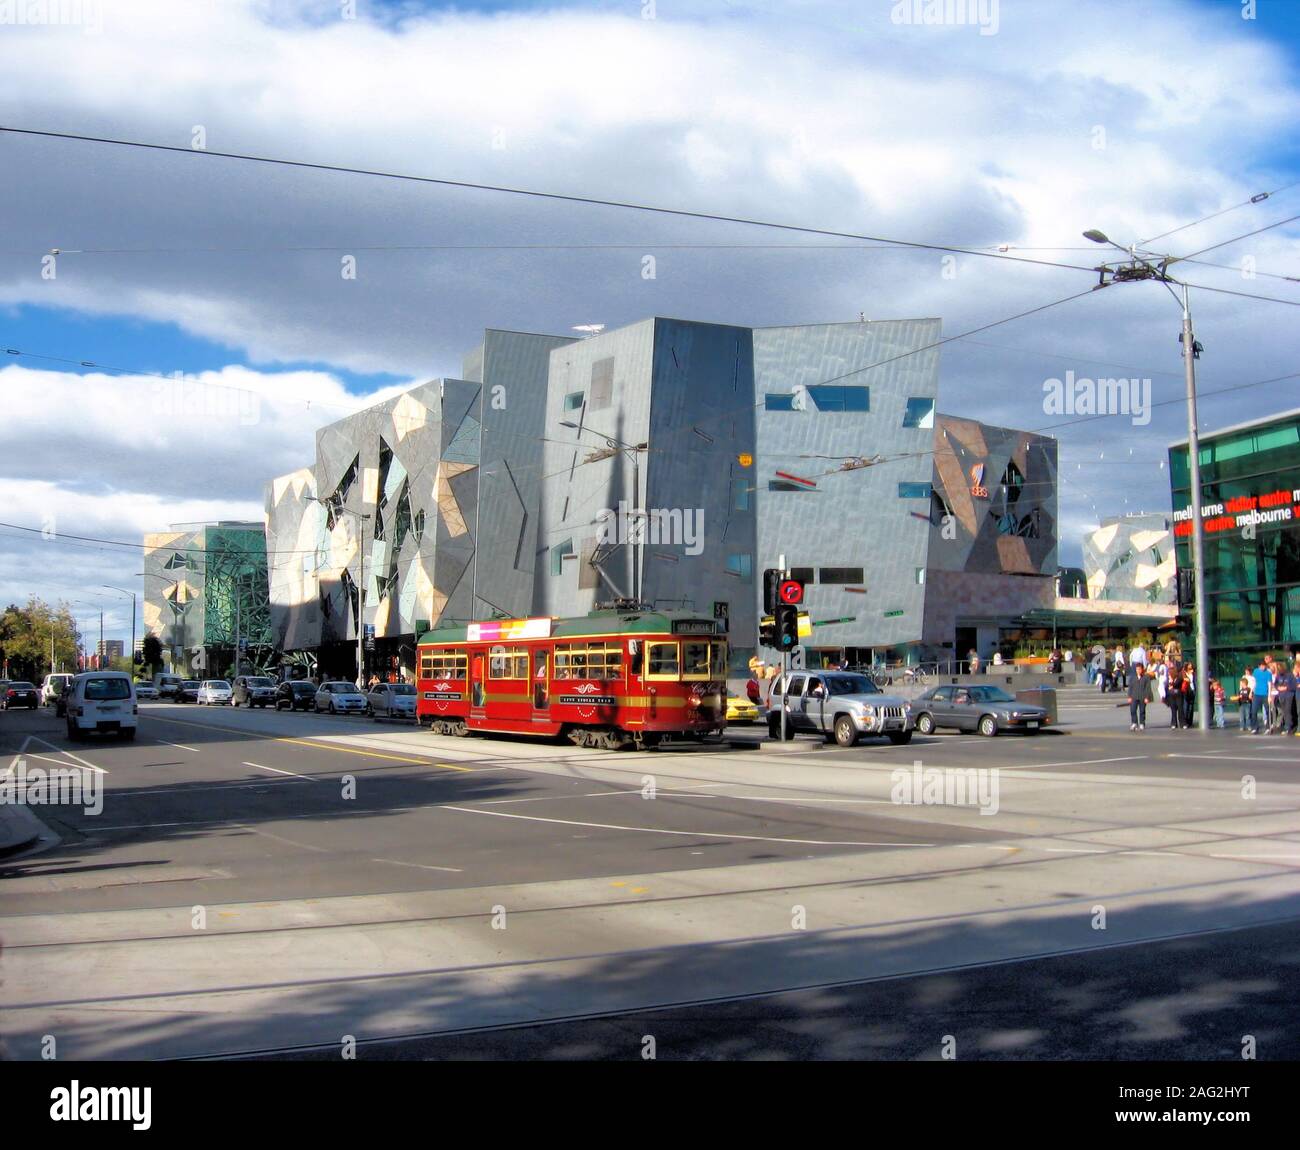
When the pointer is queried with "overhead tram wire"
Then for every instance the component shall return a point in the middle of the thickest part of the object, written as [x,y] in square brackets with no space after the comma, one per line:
[532,193]
[1258,198]
[96,543]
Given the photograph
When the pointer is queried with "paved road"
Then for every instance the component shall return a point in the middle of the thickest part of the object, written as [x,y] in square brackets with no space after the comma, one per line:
[260,881]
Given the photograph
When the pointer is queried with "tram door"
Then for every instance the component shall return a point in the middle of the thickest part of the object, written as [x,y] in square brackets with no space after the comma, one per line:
[541,684]
[476,687]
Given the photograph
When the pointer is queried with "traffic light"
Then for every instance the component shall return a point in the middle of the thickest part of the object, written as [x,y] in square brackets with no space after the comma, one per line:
[771,581]
[787,626]
[767,632]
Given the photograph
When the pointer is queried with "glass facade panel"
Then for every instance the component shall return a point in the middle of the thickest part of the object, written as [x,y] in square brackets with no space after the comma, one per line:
[834,397]
[919,413]
[1250,490]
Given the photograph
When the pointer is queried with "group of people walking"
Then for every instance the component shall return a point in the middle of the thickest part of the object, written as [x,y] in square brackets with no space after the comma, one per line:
[1156,674]
[1268,697]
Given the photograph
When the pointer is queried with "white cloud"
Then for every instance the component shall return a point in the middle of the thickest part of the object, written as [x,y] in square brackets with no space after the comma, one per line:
[825,113]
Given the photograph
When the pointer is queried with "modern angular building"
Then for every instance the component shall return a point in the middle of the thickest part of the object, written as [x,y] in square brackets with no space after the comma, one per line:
[202,583]
[396,501]
[669,461]
[1250,492]
[1131,558]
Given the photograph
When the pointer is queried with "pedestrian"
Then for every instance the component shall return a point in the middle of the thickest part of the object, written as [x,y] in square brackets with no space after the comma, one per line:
[1095,664]
[1262,682]
[974,662]
[1174,696]
[1284,681]
[1219,698]
[753,691]
[1189,697]
[1139,695]
[1121,668]
[1245,691]
[1161,676]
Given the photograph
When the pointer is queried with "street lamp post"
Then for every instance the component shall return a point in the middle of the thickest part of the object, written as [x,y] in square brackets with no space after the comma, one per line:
[1150,266]
[361,517]
[636,550]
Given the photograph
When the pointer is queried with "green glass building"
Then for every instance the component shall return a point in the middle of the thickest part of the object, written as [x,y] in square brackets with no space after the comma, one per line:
[1250,492]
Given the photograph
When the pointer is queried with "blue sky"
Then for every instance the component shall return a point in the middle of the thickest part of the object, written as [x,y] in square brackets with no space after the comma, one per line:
[826,113]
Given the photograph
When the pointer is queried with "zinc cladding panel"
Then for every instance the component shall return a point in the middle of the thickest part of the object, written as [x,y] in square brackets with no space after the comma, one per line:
[854,518]
[701,422]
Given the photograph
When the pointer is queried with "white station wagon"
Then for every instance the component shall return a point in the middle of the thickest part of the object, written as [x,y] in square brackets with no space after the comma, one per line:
[214,692]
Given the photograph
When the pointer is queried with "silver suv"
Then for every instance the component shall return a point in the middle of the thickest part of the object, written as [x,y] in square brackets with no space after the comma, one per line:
[837,705]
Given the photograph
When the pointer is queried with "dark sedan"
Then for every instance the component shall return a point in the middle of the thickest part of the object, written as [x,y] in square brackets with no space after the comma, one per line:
[987,710]
[188,691]
[20,694]
[295,695]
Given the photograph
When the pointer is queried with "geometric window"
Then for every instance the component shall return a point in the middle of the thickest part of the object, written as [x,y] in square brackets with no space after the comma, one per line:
[832,397]
[558,553]
[774,401]
[920,413]
[840,575]
[742,565]
[914,491]
[573,401]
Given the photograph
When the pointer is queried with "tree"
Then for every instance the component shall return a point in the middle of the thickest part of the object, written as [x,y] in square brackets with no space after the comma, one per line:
[151,653]
[27,635]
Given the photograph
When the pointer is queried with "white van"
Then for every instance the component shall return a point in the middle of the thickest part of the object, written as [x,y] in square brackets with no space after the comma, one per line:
[102,701]
[52,686]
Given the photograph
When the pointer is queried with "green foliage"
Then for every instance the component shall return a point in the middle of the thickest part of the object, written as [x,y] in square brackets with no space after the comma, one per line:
[25,635]
[152,653]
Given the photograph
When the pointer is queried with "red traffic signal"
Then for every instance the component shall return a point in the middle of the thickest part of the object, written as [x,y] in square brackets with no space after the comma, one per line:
[791,592]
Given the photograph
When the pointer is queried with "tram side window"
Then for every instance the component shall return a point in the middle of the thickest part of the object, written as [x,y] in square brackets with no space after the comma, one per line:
[662,661]
[508,663]
[446,665]
[695,660]
[589,661]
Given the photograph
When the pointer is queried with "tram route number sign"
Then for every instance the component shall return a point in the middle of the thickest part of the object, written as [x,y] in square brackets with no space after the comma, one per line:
[790,591]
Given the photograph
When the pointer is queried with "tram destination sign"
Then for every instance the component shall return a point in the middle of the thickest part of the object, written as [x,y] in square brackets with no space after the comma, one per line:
[693,626]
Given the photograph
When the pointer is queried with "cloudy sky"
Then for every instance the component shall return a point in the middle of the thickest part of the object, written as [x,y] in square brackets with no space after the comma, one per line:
[1017,129]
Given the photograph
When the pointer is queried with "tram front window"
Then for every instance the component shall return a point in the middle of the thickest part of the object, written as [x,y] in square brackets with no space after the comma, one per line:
[662,662]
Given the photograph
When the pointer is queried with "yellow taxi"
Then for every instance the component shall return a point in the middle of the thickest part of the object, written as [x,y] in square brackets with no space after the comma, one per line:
[741,710]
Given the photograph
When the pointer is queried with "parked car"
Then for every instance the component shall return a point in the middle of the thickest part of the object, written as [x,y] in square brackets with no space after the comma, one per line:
[188,691]
[252,691]
[52,686]
[295,695]
[213,693]
[837,705]
[341,698]
[741,710]
[18,693]
[976,708]
[146,691]
[101,701]
[396,700]
[169,686]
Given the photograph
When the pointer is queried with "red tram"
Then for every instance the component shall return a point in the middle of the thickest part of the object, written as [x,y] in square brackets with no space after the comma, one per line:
[612,679]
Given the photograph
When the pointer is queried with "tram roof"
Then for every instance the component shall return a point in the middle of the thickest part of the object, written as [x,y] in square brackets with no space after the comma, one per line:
[607,622]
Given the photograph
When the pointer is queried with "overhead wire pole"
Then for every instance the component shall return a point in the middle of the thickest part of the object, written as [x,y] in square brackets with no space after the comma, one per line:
[1143,267]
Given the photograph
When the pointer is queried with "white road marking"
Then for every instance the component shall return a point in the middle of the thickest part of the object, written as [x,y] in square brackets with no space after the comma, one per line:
[179,746]
[282,839]
[57,750]
[1073,851]
[280,772]
[421,866]
[686,834]
[1067,763]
